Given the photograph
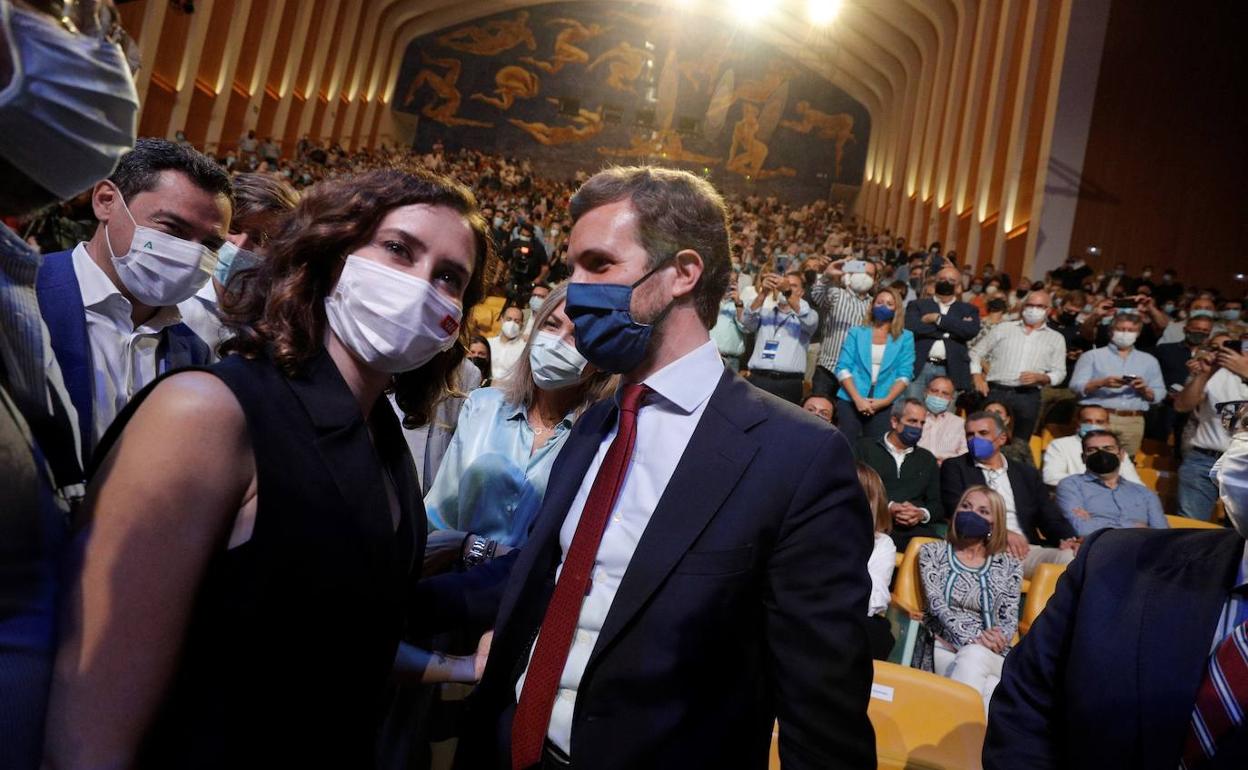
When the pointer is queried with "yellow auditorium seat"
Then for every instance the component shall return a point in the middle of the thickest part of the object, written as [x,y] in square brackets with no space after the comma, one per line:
[922,721]
[1183,522]
[1037,450]
[908,596]
[1043,583]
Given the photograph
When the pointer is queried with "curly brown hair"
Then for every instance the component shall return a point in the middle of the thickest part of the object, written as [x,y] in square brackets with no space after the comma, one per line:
[279,310]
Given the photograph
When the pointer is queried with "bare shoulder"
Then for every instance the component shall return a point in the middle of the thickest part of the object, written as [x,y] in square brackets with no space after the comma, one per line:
[197,399]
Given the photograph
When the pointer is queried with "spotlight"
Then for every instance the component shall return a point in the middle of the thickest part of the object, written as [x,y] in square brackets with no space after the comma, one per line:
[752,10]
[821,12]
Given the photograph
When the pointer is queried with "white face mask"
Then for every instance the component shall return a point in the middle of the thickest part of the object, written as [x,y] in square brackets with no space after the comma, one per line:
[510,329]
[860,283]
[70,111]
[392,321]
[1231,473]
[160,269]
[1033,316]
[555,363]
[1123,340]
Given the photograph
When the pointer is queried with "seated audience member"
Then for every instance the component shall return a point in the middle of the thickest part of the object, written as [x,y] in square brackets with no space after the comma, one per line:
[260,201]
[820,406]
[111,303]
[783,323]
[1036,531]
[495,470]
[507,348]
[1064,456]
[1217,378]
[479,356]
[1124,380]
[971,591]
[875,365]
[881,565]
[944,432]
[1100,497]
[911,476]
[1017,448]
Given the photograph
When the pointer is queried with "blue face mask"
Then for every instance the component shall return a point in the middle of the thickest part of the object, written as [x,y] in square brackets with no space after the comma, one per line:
[936,404]
[910,434]
[981,448]
[882,313]
[971,526]
[606,333]
[231,259]
[1230,315]
[1087,427]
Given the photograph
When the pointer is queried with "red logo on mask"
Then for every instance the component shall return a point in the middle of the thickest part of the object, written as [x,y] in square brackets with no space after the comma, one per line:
[449,325]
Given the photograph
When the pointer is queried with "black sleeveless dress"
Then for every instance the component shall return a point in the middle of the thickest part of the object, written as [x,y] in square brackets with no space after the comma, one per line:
[292,635]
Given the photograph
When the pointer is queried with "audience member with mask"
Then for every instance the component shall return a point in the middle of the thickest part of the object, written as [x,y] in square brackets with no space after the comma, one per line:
[239,506]
[910,474]
[842,299]
[943,326]
[944,431]
[68,111]
[1217,377]
[1121,378]
[1064,455]
[1100,497]
[508,347]
[111,303]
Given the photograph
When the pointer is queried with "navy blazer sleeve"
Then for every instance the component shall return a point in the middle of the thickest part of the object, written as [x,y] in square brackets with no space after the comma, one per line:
[914,313]
[1049,518]
[815,603]
[953,482]
[962,322]
[936,505]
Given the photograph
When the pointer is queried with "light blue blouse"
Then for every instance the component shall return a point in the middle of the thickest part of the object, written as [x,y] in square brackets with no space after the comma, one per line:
[490,482]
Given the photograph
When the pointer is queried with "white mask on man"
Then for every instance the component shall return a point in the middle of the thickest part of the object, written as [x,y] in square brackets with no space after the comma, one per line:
[555,363]
[1033,316]
[859,283]
[510,329]
[1124,339]
[392,321]
[160,269]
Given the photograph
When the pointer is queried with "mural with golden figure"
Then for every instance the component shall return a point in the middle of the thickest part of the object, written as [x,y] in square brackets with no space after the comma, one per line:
[567,85]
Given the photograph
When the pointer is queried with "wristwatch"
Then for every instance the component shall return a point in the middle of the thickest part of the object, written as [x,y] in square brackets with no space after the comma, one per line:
[479,550]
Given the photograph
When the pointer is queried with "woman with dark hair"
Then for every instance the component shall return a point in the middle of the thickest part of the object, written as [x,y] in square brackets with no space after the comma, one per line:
[479,355]
[257,525]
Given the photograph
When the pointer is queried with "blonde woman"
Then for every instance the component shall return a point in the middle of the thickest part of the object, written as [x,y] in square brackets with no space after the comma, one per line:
[874,368]
[881,564]
[971,588]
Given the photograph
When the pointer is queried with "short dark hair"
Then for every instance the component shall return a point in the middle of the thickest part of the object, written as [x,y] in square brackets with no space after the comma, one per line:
[676,210]
[139,169]
[899,406]
[982,415]
[1095,433]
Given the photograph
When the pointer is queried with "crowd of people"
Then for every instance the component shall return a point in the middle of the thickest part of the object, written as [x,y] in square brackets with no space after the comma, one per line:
[290,438]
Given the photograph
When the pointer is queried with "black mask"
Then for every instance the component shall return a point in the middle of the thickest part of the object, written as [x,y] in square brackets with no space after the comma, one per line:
[996,305]
[1069,317]
[1196,338]
[1020,293]
[811,276]
[944,288]
[483,364]
[1102,462]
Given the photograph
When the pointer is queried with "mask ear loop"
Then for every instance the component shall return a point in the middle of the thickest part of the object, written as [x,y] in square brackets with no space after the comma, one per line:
[108,239]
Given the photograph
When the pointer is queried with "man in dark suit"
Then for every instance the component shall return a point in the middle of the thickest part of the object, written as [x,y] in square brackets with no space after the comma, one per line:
[110,303]
[1038,533]
[913,485]
[943,326]
[696,570]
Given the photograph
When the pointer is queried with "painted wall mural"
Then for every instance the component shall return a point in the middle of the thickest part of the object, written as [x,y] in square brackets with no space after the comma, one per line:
[572,86]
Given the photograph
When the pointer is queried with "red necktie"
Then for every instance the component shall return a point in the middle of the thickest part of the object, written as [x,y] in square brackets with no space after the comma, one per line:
[541,683]
[1221,701]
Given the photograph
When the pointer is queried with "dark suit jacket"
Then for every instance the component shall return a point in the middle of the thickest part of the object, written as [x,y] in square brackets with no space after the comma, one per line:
[1107,676]
[956,328]
[745,600]
[1032,505]
[918,482]
[60,304]
[1173,358]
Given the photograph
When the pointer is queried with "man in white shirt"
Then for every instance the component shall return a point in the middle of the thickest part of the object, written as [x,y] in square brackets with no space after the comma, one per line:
[1216,379]
[1022,357]
[162,215]
[706,579]
[1064,456]
[508,346]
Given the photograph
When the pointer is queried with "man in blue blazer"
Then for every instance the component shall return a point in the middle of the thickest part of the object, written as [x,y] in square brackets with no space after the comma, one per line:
[943,326]
[725,584]
[110,302]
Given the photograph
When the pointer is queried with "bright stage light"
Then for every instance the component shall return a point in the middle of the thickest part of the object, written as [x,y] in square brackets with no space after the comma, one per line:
[822,12]
[752,10]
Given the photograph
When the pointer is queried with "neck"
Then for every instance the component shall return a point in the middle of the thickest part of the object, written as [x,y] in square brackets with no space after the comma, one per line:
[973,549]
[996,461]
[1111,480]
[366,384]
[681,333]
[944,299]
[896,441]
[551,405]
[98,250]
[1124,352]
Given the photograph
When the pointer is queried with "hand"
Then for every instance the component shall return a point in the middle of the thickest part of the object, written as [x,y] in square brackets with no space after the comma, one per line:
[1111,382]
[906,514]
[1103,308]
[992,638]
[863,405]
[1145,303]
[833,269]
[1081,513]
[770,282]
[481,655]
[1033,378]
[1017,545]
[930,318]
[734,295]
[1199,366]
[981,384]
[1236,362]
[1139,385]
[1071,543]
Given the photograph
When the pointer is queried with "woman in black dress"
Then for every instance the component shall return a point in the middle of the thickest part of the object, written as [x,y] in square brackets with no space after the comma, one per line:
[257,526]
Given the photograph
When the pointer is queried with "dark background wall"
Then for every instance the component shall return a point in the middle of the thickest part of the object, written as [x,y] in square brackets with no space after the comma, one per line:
[629,84]
[1166,172]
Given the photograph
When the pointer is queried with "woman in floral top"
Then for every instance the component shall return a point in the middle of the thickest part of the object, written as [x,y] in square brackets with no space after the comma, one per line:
[971,588]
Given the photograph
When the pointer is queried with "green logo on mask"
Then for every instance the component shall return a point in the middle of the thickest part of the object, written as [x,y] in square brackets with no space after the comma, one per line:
[148,245]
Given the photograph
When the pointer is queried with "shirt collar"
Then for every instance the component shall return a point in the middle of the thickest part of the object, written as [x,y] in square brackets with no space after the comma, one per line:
[892,449]
[521,412]
[690,379]
[208,293]
[1005,466]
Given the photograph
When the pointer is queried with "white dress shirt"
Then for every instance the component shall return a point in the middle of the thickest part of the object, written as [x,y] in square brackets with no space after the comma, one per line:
[504,354]
[123,357]
[998,479]
[1064,457]
[201,314]
[937,351]
[1010,349]
[665,423]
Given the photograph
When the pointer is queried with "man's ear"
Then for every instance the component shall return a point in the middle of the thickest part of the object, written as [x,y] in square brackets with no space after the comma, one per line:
[689,269]
[105,200]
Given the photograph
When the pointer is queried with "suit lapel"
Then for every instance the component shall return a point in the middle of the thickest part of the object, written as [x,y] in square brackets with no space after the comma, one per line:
[1185,595]
[718,453]
[60,304]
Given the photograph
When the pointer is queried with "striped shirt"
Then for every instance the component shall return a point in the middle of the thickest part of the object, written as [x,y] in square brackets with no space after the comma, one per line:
[1009,351]
[841,310]
[1235,611]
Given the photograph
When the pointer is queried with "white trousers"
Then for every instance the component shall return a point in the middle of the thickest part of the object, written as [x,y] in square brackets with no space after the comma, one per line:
[1039,554]
[974,665]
